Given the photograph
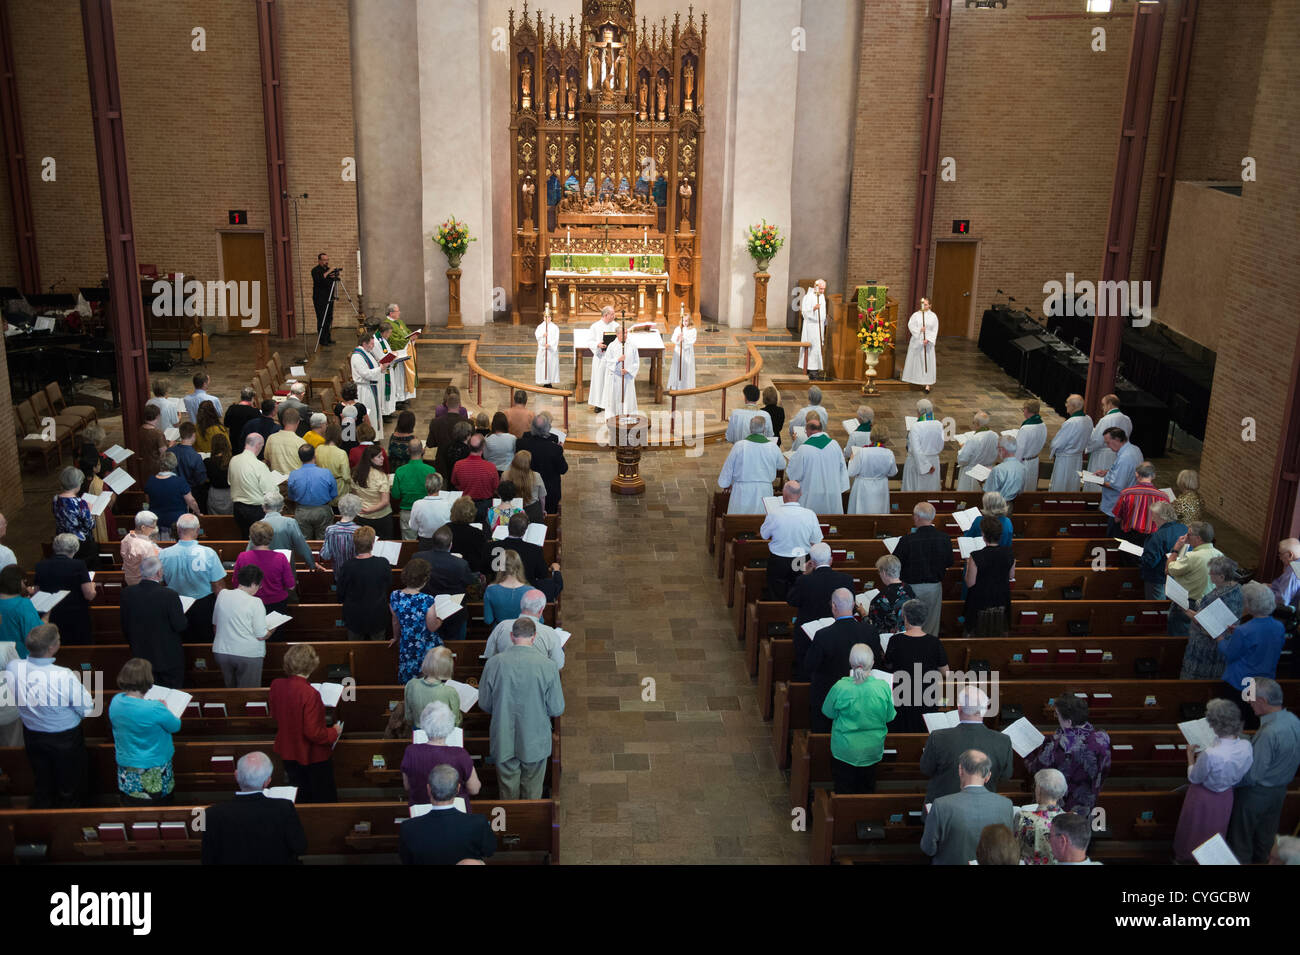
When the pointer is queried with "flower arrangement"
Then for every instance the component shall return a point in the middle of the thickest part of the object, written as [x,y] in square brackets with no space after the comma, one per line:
[764,241]
[453,238]
[874,335]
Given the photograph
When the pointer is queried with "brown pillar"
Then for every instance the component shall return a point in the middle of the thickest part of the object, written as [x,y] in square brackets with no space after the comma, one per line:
[1139,93]
[277,178]
[923,220]
[20,193]
[126,318]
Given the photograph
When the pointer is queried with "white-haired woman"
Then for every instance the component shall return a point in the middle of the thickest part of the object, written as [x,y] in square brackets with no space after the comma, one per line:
[1212,773]
[1034,822]
[871,468]
[1201,659]
[66,571]
[72,515]
[888,603]
[437,722]
[859,707]
[994,507]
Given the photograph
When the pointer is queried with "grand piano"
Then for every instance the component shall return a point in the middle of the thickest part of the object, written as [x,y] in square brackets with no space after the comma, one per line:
[37,358]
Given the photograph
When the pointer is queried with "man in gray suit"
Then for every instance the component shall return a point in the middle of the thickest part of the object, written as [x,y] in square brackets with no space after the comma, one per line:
[942,749]
[953,827]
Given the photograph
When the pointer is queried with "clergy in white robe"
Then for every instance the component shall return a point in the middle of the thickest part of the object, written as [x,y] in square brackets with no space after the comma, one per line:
[1029,443]
[818,466]
[870,469]
[620,381]
[682,375]
[1100,457]
[750,469]
[1068,446]
[369,378]
[599,370]
[814,405]
[547,368]
[981,448]
[738,423]
[860,437]
[923,329]
[392,373]
[812,335]
[924,444]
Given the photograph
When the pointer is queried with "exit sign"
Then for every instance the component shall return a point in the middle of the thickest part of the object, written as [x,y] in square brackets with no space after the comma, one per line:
[960,226]
[239,217]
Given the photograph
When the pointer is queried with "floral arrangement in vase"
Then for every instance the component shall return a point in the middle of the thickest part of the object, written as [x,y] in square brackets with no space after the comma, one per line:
[874,335]
[763,242]
[453,238]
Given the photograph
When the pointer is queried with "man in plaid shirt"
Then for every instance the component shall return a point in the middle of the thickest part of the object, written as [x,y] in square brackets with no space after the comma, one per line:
[1133,509]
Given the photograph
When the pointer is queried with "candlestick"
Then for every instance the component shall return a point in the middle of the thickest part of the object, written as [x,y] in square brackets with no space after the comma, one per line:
[358,271]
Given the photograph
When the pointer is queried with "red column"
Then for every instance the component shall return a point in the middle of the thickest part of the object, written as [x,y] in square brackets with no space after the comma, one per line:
[277,178]
[126,317]
[20,194]
[922,223]
[1143,59]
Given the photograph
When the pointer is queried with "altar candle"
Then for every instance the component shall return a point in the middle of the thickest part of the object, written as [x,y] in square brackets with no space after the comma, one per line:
[568,235]
[358,272]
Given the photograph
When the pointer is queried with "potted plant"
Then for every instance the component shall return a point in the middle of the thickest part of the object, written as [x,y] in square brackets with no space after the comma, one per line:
[874,337]
[764,241]
[453,238]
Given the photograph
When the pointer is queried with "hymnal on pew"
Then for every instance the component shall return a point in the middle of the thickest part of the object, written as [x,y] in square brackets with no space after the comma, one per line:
[174,700]
[1216,618]
[977,472]
[44,601]
[118,480]
[468,694]
[940,721]
[391,551]
[967,517]
[812,626]
[1025,737]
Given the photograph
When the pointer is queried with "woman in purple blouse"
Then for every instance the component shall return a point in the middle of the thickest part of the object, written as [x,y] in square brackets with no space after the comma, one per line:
[277,575]
[1080,752]
[437,722]
[1212,774]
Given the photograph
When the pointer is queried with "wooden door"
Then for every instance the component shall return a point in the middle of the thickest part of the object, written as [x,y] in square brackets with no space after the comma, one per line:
[243,259]
[954,284]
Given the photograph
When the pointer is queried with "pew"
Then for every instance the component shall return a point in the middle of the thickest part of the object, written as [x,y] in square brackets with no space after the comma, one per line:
[1015,658]
[1134,826]
[196,772]
[1154,754]
[529,833]
[902,502]
[1112,703]
[369,662]
[1048,618]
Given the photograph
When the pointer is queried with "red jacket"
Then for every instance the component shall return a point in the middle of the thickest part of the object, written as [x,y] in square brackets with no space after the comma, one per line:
[475,477]
[299,713]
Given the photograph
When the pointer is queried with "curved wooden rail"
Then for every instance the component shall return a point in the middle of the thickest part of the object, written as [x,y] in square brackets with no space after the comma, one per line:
[477,373]
[753,365]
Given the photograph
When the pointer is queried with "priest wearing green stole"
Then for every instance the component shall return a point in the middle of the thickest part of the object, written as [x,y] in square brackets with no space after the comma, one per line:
[401,337]
[751,467]
[860,436]
[1029,443]
[818,465]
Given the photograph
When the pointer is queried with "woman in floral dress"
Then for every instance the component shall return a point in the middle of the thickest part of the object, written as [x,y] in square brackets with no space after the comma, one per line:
[414,622]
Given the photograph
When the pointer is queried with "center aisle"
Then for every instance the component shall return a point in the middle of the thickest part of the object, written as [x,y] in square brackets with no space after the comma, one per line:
[679,770]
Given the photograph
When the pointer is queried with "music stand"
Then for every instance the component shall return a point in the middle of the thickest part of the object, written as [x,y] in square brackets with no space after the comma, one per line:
[1025,345]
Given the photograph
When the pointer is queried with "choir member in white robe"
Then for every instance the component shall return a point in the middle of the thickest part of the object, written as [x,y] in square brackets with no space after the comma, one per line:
[1029,443]
[923,328]
[547,369]
[369,378]
[750,469]
[620,380]
[605,325]
[860,437]
[1068,446]
[682,374]
[738,423]
[818,466]
[924,444]
[388,384]
[870,468]
[1100,457]
[980,448]
[813,332]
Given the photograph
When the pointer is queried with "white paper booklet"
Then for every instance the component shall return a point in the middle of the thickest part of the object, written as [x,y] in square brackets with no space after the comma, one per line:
[44,601]
[967,517]
[468,694]
[175,700]
[1025,737]
[978,472]
[812,626]
[330,693]
[940,721]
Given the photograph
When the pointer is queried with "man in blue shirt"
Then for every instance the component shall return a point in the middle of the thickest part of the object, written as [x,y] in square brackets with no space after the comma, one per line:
[200,395]
[1008,477]
[190,465]
[1159,545]
[196,572]
[312,488]
[1122,474]
[52,702]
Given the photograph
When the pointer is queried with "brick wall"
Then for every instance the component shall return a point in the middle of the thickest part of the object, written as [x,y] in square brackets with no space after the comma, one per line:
[1253,371]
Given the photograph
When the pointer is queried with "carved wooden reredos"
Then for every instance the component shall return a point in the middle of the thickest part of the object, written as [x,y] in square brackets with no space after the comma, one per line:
[594,105]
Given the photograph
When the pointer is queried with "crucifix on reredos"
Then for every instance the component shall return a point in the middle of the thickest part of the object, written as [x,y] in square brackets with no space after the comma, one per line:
[607,62]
